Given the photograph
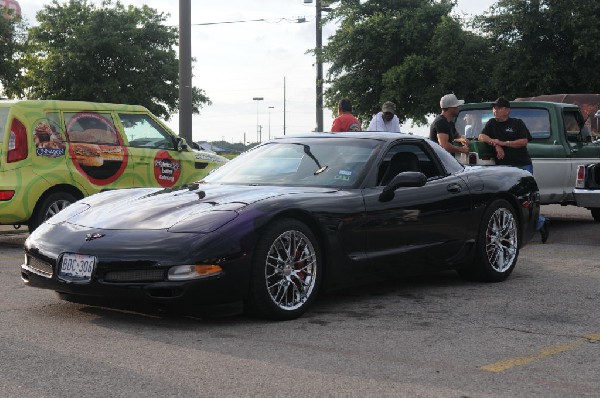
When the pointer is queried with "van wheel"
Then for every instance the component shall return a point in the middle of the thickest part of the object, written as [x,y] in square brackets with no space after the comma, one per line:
[51,205]
[596,213]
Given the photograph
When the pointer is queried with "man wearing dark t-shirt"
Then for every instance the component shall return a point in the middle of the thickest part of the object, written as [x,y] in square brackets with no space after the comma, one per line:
[442,130]
[509,137]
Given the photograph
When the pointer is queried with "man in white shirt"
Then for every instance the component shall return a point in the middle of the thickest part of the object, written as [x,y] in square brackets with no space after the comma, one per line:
[386,120]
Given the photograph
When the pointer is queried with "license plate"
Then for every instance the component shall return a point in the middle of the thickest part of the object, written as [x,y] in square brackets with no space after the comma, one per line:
[77,266]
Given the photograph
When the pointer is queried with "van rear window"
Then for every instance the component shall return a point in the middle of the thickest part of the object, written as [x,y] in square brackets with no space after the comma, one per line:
[3,120]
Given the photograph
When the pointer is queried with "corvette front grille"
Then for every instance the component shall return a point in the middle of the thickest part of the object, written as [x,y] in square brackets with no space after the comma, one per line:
[38,266]
[141,275]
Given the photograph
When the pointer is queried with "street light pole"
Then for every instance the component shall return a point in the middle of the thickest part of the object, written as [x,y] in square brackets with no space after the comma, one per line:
[258,137]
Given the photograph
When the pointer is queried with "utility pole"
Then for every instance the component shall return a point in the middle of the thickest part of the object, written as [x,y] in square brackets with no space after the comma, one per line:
[319,62]
[185,70]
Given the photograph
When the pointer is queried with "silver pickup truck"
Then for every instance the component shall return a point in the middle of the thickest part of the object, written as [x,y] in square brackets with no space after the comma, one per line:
[561,143]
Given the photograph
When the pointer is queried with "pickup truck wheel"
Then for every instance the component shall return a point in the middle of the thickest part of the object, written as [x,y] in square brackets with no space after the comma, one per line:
[51,205]
[497,246]
[596,214]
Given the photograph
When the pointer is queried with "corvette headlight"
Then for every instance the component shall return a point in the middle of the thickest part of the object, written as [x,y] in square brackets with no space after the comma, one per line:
[187,272]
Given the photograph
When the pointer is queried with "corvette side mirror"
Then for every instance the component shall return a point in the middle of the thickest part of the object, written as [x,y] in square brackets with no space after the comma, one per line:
[402,180]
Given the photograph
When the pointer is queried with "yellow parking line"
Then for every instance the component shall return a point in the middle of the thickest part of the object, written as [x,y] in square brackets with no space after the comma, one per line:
[543,353]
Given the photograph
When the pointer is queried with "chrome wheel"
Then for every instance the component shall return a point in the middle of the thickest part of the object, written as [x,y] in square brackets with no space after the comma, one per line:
[55,207]
[291,270]
[501,240]
[48,207]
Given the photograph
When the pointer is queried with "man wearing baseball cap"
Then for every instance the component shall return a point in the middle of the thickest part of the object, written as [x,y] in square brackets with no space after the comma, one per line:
[386,120]
[509,137]
[443,131]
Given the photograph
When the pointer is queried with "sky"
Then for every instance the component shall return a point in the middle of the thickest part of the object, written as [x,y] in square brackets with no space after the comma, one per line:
[236,62]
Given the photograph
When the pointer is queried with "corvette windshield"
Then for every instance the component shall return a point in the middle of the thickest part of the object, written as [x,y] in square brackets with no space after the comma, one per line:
[314,162]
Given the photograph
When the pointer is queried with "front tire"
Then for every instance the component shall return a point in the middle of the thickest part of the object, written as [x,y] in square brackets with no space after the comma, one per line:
[286,271]
[497,247]
[51,205]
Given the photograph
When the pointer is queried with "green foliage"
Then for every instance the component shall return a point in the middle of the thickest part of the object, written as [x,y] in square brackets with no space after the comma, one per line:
[235,148]
[106,53]
[12,40]
[411,52]
[543,46]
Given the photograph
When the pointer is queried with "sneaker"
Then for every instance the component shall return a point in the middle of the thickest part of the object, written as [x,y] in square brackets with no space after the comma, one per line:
[544,231]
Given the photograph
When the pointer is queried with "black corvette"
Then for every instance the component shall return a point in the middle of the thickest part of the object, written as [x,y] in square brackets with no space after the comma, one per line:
[287,219]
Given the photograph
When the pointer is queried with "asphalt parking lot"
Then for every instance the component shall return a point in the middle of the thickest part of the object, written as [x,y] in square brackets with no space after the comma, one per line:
[535,335]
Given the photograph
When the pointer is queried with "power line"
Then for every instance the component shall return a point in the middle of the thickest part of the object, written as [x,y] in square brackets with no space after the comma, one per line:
[274,20]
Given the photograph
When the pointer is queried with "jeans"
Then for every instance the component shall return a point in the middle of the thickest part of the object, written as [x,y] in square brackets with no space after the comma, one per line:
[541,219]
[527,167]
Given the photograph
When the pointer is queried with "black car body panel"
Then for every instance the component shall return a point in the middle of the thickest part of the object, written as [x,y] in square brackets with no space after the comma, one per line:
[137,235]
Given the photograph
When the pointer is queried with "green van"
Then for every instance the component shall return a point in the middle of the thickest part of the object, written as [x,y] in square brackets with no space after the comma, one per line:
[53,153]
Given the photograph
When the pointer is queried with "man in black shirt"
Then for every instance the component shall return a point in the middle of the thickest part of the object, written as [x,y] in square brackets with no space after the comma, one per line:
[443,131]
[509,137]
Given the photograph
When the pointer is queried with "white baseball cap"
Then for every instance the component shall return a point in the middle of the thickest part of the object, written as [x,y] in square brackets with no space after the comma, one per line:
[450,101]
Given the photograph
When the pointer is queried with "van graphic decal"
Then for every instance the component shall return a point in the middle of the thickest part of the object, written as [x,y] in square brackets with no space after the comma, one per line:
[166,169]
[47,139]
[96,149]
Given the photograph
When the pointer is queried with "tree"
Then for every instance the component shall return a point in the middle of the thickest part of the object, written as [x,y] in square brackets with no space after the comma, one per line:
[12,41]
[543,46]
[411,52]
[106,53]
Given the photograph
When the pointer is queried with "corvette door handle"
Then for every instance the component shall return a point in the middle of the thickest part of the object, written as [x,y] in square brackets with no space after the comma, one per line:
[454,188]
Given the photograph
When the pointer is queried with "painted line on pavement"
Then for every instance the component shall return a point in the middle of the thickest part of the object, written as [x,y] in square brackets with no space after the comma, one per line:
[543,353]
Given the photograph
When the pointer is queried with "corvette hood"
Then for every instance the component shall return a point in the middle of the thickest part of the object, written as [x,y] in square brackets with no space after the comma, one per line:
[210,206]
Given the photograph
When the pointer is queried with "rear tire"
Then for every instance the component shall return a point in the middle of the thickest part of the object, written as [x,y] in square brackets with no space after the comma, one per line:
[497,246]
[51,205]
[286,271]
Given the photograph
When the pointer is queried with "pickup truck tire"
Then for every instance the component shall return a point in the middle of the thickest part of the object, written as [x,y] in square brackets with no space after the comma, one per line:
[596,213]
[497,247]
[48,207]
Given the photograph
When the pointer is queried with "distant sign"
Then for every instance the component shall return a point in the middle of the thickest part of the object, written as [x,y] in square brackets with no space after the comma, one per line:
[11,5]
